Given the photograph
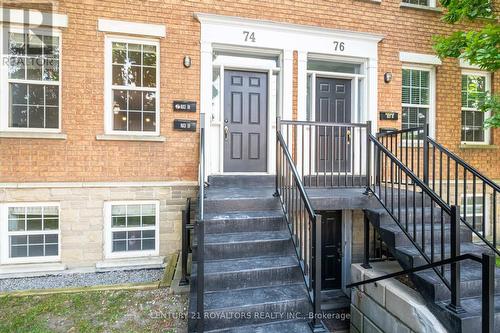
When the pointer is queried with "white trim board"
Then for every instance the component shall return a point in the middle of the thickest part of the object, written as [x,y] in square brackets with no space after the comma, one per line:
[33,18]
[419,58]
[96,184]
[251,37]
[132,28]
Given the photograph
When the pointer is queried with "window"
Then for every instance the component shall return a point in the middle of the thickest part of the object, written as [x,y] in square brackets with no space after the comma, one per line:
[416,97]
[32,83]
[31,233]
[474,88]
[427,3]
[132,86]
[132,229]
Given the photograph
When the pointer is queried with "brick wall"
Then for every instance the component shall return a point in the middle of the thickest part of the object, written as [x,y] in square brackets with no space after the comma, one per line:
[82,158]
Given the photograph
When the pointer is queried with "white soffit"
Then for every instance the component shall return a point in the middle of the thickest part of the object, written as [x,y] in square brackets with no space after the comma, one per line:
[419,58]
[33,18]
[132,28]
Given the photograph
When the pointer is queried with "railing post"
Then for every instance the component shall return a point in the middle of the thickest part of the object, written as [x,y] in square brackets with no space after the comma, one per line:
[184,250]
[276,181]
[488,294]
[455,267]
[316,324]
[200,285]
[366,254]
[426,154]
[368,156]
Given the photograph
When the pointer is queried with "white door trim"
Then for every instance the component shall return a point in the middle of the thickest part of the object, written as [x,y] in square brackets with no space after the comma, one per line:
[232,33]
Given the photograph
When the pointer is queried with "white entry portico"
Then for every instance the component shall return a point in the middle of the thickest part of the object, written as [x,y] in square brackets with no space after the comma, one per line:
[263,46]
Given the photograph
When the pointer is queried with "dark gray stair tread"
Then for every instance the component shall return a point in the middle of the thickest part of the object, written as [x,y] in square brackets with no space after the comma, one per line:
[241,180]
[249,264]
[231,299]
[266,214]
[247,237]
[276,327]
[469,271]
[334,300]
[467,247]
[472,306]
[239,193]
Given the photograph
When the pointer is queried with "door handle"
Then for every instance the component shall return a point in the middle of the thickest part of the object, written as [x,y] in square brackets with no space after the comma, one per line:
[226,132]
[348,134]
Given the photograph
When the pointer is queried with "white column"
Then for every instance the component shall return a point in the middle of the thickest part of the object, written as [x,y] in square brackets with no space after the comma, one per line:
[287,85]
[211,164]
[372,93]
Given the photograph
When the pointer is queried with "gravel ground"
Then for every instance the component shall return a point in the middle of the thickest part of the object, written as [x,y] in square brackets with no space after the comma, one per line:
[81,279]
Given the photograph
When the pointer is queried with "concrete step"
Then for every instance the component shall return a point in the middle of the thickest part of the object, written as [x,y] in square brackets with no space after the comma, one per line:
[252,272]
[249,304]
[238,199]
[242,181]
[248,244]
[393,235]
[231,222]
[334,300]
[289,326]
[380,216]
[470,321]
[336,180]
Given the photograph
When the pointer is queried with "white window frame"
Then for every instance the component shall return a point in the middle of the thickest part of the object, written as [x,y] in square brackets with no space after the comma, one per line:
[432,4]
[5,81]
[108,231]
[5,233]
[487,132]
[108,86]
[432,95]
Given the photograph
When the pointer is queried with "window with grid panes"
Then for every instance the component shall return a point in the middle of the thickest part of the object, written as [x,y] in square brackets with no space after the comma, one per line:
[473,94]
[415,97]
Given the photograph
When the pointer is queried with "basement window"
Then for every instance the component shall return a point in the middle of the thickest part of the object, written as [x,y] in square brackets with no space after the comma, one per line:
[31,233]
[132,229]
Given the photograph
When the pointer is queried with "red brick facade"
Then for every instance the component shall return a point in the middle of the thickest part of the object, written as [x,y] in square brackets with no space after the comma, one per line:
[83,158]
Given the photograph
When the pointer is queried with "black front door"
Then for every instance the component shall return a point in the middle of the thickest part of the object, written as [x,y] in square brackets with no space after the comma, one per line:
[331,250]
[333,105]
[245,121]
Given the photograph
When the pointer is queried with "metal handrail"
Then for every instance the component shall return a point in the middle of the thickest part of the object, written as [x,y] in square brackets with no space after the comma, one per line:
[465,165]
[319,123]
[296,177]
[406,130]
[200,232]
[304,227]
[487,262]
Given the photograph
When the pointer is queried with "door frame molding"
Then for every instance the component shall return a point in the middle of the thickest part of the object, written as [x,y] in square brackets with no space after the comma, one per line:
[231,33]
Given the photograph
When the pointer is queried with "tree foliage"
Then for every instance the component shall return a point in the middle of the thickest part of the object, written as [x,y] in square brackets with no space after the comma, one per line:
[480,46]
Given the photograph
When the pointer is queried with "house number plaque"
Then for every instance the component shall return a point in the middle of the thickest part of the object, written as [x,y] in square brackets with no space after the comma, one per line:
[186,106]
[185,125]
[388,116]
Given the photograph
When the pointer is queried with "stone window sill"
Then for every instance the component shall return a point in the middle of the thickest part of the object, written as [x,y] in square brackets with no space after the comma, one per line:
[125,263]
[29,270]
[33,135]
[119,137]
[420,7]
[475,146]
[378,2]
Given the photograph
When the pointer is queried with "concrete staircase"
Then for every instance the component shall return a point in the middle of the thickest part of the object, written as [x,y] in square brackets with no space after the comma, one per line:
[428,282]
[253,280]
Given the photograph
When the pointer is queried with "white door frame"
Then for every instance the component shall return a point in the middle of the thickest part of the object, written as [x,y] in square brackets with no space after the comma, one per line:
[225,62]
[267,36]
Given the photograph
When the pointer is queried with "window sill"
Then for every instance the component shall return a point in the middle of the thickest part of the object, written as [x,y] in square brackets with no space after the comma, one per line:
[28,270]
[33,135]
[476,146]
[420,7]
[125,263]
[378,2]
[119,137]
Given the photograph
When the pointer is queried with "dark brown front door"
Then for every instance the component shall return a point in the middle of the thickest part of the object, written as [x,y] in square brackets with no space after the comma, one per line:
[333,105]
[331,250]
[245,121]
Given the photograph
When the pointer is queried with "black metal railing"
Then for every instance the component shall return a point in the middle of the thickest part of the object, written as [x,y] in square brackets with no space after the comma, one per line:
[186,242]
[200,234]
[422,215]
[328,154]
[454,180]
[487,262]
[304,224]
